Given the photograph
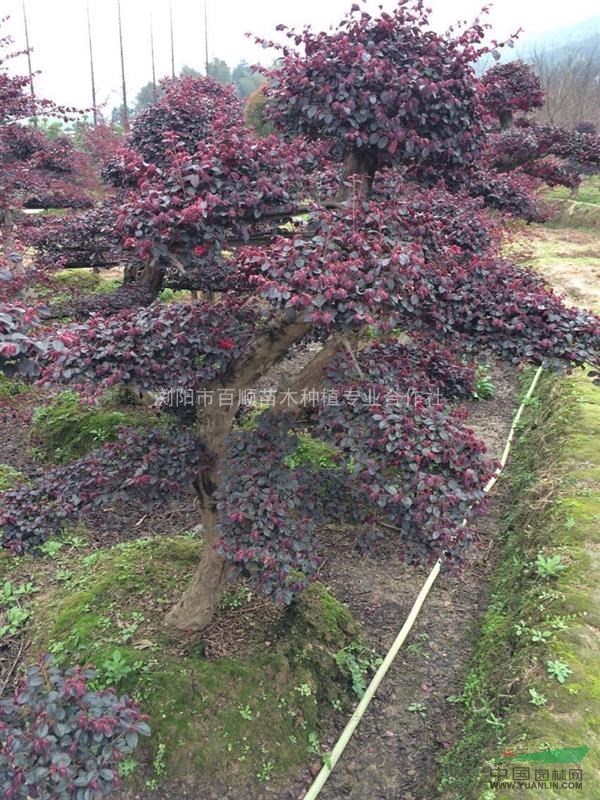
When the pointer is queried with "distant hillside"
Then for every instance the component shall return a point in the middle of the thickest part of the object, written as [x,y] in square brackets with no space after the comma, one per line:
[584,35]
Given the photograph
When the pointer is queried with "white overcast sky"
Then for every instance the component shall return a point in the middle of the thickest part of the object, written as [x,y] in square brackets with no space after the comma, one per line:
[58,34]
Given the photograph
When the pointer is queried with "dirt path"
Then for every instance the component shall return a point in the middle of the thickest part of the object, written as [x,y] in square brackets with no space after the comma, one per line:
[410,722]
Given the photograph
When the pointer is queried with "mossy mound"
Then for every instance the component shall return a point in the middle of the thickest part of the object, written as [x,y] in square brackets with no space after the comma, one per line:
[66,428]
[10,387]
[252,716]
[87,281]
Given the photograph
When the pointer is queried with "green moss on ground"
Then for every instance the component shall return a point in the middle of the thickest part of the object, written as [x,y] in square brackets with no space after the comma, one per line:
[10,477]
[252,716]
[554,494]
[66,428]
[11,387]
[86,280]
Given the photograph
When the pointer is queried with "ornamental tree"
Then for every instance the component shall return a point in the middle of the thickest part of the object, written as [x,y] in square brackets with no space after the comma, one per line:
[521,154]
[511,87]
[402,290]
[32,166]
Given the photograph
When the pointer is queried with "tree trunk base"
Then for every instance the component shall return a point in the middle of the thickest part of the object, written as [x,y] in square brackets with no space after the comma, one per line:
[200,601]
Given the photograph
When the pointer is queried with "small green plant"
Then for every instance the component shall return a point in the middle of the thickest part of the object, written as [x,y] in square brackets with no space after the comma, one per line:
[236,597]
[314,747]
[537,698]
[127,767]
[520,628]
[559,623]
[484,385]
[357,662]
[116,668]
[558,669]
[265,772]
[52,548]
[541,636]
[159,763]
[304,690]
[15,618]
[494,721]
[417,708]
[549,566]
[245,712]
[10,594]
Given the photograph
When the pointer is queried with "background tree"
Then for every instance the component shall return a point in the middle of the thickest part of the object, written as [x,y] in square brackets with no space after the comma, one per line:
[31,163]
[219,70]
[245,79]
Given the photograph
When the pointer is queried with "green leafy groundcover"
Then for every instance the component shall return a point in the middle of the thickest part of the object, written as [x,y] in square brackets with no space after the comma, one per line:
[252,717]
[534,681]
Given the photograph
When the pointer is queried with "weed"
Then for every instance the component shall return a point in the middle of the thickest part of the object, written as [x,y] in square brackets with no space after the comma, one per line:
[10,594]
[357,661]
[537,698]
[127,767]
[559,670]
[418,708]
[265,772]
[540,636]
[484,385]
[116,668]
[15,618]
[51,548]
[549,566]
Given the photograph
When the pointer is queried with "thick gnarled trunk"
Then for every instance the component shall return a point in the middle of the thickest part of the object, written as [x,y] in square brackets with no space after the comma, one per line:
[199,602]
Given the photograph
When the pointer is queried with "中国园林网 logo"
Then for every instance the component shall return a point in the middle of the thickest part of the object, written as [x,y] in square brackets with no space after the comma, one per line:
[522,776]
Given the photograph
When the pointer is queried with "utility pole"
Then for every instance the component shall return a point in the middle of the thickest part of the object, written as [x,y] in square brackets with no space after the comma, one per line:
[172,39]
[28,50]
[206,36]
[92,75]
[154,92]
[125,111]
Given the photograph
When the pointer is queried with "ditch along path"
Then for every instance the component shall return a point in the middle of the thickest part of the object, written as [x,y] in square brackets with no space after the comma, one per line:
[410,723]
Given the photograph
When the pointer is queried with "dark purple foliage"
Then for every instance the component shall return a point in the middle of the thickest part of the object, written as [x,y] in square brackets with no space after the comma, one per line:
[62,741]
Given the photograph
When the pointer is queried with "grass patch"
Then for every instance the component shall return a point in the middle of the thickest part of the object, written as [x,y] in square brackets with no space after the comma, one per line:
[544,609]
[587,192]
[251,717]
